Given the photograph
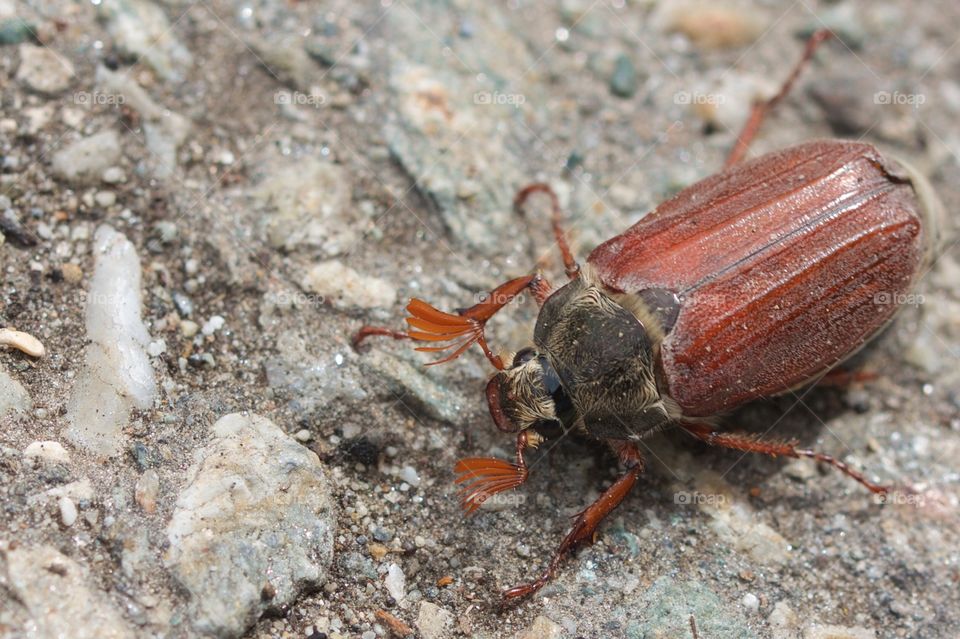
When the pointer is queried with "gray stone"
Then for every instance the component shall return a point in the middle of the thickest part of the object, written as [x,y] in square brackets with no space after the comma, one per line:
[623,81]
[315,379]
[252,527]
[542,628]
[13,396]
[140,30]
[445,126]
[344,288]
[307,203]
[44,71]
[17,30]
[164,129]
[434,622]
[413,386]
[59,599]
[85,160]
[665,608]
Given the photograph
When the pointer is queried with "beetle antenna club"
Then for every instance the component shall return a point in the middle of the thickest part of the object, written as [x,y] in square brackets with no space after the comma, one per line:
[683,317]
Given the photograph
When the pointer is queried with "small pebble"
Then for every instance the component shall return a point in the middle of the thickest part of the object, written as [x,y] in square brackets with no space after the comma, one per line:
[48,451]
[409,475]
[146,490]
[105,198]
[114,175]
[303,435]
[751,603]
[395,582]
[21,341]
[716,25]
[623,82]
[213,325]
[68,511]
[189,328]
[72,273]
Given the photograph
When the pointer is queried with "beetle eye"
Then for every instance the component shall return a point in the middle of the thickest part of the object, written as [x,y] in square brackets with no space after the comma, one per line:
[523,356]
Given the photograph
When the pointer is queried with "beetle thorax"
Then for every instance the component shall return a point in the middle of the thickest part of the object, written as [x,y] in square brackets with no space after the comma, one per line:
[603,356]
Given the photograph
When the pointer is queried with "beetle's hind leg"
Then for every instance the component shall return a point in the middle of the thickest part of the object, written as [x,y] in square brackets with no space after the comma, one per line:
[585,524]
[751,444]
[760,109]
[570,265]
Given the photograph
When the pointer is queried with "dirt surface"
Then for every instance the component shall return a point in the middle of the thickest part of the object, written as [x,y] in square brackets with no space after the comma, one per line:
[287,172]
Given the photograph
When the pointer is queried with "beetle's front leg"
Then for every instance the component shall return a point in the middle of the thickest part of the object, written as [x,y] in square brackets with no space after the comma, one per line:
[585,524]
[429,324]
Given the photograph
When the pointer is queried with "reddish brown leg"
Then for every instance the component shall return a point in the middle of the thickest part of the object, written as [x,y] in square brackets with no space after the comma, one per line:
[484,477]
[585,524]
[842,378]
[368,331]
[750,444]
[431,325]
[761,109]
[569,263]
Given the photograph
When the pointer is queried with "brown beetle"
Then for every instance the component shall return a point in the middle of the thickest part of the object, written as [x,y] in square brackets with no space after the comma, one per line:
[748,284]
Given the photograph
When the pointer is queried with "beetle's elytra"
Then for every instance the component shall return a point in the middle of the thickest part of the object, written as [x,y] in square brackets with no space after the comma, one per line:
[752,282]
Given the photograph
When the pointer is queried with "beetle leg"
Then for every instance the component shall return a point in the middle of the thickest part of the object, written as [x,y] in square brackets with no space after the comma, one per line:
[432,325]
[760,109]
[488,476]
[842,378]
[751,444]
[429,324]
[586,522]
[570,265]
[367,330]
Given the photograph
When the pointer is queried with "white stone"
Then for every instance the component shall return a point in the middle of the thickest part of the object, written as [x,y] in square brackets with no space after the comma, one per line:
[68,511]
[48,451]
[817,631]
[396,582]
[80,490]
[345,288]
[87,158]
[213,325]
[117,375]
[59,598]
[433,622]
[13,396]
[255,509]
[43,70]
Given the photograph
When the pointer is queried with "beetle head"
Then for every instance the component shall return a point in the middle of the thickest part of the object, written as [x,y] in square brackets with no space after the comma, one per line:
[527,394]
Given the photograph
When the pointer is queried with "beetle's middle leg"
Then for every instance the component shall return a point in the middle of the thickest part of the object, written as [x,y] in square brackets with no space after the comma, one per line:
[570,265]
[751,444]
[760,109]
[585,524]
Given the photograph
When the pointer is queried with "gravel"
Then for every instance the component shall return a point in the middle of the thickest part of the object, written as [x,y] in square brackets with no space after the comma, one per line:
[278,175]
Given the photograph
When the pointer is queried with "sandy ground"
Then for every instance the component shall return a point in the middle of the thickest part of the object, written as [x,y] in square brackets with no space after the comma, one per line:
[290,171]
